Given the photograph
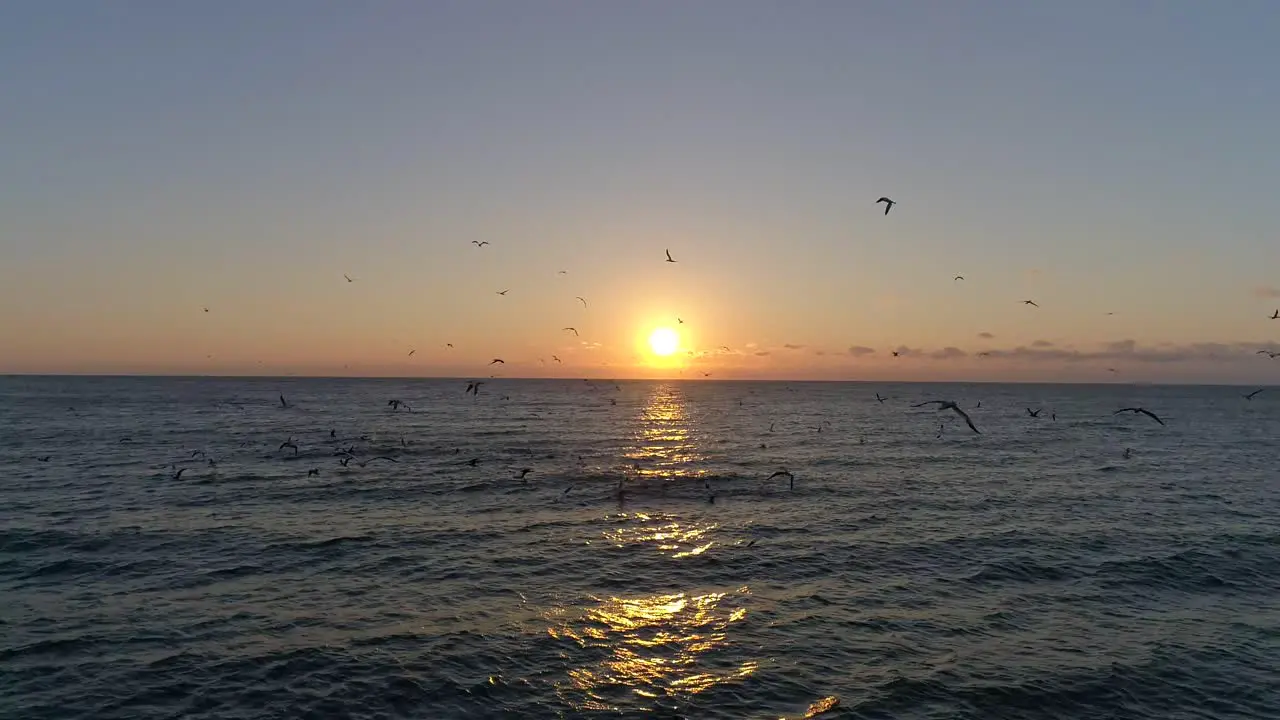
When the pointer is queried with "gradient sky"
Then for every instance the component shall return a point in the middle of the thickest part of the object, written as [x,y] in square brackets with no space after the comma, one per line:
[158,157]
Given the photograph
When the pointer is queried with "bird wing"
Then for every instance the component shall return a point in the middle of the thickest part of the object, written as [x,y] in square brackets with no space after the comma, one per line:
[931,402]
[883,199]
[967,421]
[1151,415]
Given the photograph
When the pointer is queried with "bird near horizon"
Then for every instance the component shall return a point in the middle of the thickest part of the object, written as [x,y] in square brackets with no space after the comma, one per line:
[1137,410]
[283,403]
[572,330]
[411,352]
[958,277]
[1030,302]
[347,277]
[952,406]
[1034,413]
[557,359]
[583,300]
[669,257]
[896,353]
[888,204]
[479,243]
[791,479]
[1276,315]
[1269,353]
[1253,394]
[449,345]
[880,399]
[497,361]
[206,309]
[504,292]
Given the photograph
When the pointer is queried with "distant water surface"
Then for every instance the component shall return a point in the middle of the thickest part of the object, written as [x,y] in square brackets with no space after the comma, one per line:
[644,567]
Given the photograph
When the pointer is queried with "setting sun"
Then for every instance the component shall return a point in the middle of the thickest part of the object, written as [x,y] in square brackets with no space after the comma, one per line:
[664,341]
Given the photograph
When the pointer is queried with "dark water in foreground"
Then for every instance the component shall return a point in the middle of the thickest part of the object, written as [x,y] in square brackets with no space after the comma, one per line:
[1032,571]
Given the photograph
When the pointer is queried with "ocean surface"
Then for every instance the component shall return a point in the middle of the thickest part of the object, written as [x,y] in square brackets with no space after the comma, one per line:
[1083,566]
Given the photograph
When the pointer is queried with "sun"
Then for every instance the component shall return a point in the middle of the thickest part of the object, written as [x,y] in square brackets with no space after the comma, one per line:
[664,341]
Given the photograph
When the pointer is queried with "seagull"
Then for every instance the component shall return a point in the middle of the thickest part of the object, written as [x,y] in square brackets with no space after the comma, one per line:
[573,330]
[497,361]
[313,472]
[562,272]
[523,472]
[958,277]
[1275,315]
[1034,413]
[584,301]
[669,257]
[380,457]
[397,404]
[474,388]
[557,359]
[479,243]
[880,399]
[950,405]
[348,277]
[283,403]
[785,474]
[1255,392]
[1030,302]
[44,458]
[449,345]
[504,292]
[411,352]
[1144,411]
[289,444]
[706,374]
[206,309]
[888,204]
[473,462]
[178,475]
[895,353]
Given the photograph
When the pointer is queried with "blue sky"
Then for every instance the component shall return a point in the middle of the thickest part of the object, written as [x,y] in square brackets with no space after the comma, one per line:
[158,158]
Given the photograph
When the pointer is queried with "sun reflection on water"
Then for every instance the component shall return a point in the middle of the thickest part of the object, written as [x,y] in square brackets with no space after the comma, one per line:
[654,647]
[663,446]
[664,532]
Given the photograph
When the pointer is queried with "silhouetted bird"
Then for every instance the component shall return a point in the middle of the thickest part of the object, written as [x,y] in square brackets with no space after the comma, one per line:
[888,204]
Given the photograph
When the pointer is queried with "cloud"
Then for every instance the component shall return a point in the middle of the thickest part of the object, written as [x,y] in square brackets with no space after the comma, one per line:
[791,346]
[819,353]
[986,336]
[947,353]
[1130,351]
[861,350]
[1042,344]
[762,353]
[1266,291]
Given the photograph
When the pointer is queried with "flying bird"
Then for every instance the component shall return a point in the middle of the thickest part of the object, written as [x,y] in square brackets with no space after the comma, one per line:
[573,330]
[1275,315]
[449,345]
[896,353]
[888,204]
[1255,392]
[206,309]
[283,402]
[397,404]
[958,277]
[504,292]
[1034,413]
[289,444]
[950,405]
[562,272]
[497,361]
[348,277]
[1030,302]
[411,352]
[479,243]
[584,301]
[523,472]
[313,472]
[1136,410]
[880,399]
[1268,353]
[669,257]
[557,359]
[43,458]
[474,387]
[678,320]
[783,473]
[178,475]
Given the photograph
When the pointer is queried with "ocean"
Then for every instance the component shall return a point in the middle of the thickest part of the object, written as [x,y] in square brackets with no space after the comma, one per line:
[1077,564]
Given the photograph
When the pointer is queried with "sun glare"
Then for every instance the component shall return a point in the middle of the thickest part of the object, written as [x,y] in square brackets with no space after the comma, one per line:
[664,341]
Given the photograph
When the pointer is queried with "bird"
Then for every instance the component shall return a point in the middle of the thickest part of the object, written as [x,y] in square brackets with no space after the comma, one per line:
[896,353]
[572,330]
[785,474]
[1268,353]
[283,403]
[479,243]
[289,444]
[1144,411]
[473,462]
[178,475]
[497,361]
[523,472]
[951,405]
[562,272]
[397,404]
[706,374]
[474,388]
[1030,302]
[669,257]
[584,301]
[678,320]
[958,277]
[313,472]
[411,352]
[348,277]
[1034,413]
[888,204]
[1276,315]
[1255,392]
[379,457]
[557,359]
[44,458]
[504,292]
[880,399]
[206,309]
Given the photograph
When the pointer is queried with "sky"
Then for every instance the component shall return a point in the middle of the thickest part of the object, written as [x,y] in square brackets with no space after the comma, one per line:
[158,159]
